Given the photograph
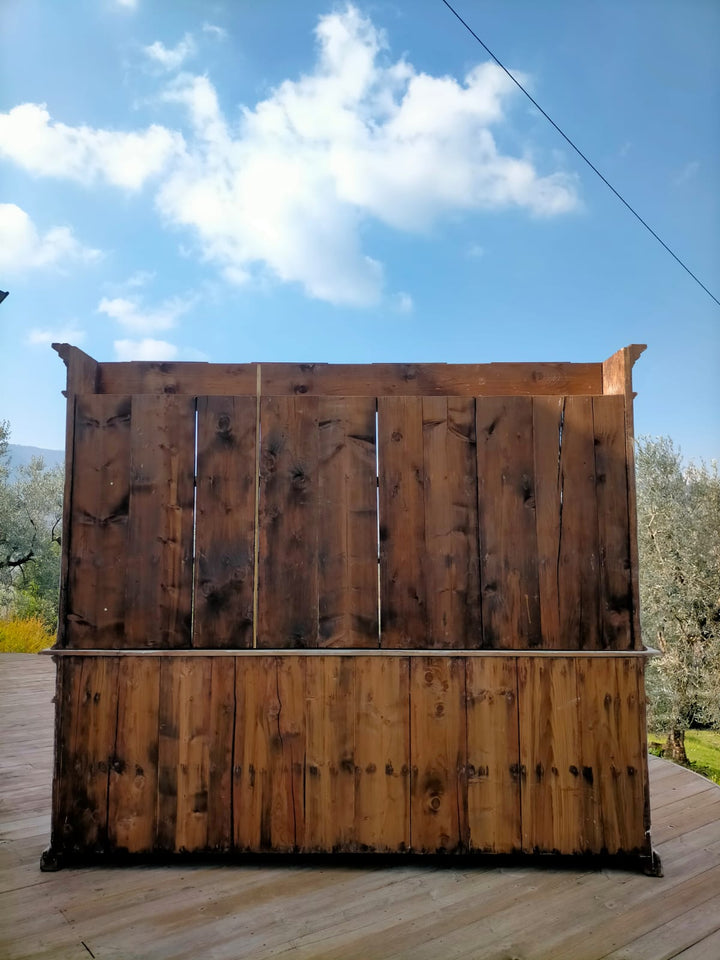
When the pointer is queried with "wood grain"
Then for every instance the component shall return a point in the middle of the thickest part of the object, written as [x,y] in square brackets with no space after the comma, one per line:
[289,493]
[403,591]
[438,755]
[506,517]
[493,761]
[552,793]
[132,801]
[347,523]
[450,547]
[98,523]
[329,773]
[158,591]
[615,580]
[382,754]
[88,715]
[225,522]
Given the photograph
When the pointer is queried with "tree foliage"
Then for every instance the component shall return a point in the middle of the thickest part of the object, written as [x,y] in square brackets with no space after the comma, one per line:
[679,546]
[30,523]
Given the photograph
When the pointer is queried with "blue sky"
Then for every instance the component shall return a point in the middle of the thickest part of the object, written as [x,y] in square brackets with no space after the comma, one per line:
[240,181]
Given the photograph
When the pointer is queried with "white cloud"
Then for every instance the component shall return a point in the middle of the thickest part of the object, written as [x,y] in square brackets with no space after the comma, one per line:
[67,334]
[220,33]
[286,191]
[130,313]
[171,58]
[357,138]
[146,349]
[31,139]
[129,4]
[23,247]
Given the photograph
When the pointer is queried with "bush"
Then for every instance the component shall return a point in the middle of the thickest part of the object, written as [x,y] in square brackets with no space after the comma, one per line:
[24,636]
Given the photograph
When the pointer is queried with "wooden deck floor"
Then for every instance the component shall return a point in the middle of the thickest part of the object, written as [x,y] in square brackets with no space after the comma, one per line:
[315,912]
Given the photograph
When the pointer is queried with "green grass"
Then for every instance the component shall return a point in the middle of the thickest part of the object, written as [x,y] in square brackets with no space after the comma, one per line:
[702,748]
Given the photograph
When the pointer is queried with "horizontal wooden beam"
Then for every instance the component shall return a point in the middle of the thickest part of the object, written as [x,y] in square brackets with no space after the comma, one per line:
[355,652]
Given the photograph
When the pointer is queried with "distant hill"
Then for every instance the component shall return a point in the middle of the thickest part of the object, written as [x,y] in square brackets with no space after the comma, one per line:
[19,455]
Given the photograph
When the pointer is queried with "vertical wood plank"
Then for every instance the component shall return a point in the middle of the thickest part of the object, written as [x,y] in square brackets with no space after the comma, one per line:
[615,580]
[438,752]
[578,560]
[382,754]
[612,724]
[402,522]
[158,591]
[225,522]
[506,517]
[132,805]
[221,729]
[98,523]
[617,379]
[548,415]
[347,523]
[451,529]
[329,786]
[552,799]
[82,377]
[493,761]
[269,754]
[288,549]
[87,745]
[184,753]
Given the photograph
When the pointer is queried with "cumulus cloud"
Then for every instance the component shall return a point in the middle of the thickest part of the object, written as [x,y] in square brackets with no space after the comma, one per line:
[146,349]
[23,247]
[134,317]
[41,146]
[286,190]
[171,58]
[70,333]
[359,137]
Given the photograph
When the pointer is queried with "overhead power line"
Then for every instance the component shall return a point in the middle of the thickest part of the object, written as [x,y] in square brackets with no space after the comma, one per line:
[581,154]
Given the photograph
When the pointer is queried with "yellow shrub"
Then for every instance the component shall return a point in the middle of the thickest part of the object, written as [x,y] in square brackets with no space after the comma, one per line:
[24,636]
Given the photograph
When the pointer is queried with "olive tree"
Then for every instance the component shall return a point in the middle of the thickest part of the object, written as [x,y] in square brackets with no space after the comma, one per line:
[30,525]
[679,546]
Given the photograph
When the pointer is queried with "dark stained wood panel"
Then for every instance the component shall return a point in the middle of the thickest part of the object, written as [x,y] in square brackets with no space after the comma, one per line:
[362,380]
[87,726]
[158,589]
[403,592]
[548,415]
[329,769]
[288,575]
[611,492]
[225,522]
[493,761]
[438,755]
[222,725]
[382,754]
[180,379]
[578,553]
[430,379]
[452,578]
[507,523]
[132,801]
[347,523]
[98,523]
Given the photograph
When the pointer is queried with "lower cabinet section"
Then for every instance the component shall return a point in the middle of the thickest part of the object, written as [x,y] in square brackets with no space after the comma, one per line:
[350,753]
